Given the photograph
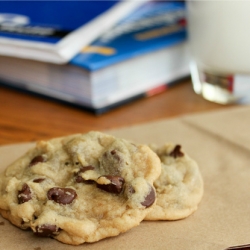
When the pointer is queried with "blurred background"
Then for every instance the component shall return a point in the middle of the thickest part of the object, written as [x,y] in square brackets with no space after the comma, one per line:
[107,64]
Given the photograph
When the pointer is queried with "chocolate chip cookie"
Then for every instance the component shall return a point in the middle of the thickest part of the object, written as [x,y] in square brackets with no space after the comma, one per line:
[80,188]
[180,186]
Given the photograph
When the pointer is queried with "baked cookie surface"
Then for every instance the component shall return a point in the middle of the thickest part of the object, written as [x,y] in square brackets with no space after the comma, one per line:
[80,188]
[180,186]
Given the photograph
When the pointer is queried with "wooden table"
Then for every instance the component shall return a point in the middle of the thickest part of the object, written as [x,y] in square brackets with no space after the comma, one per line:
[25,117]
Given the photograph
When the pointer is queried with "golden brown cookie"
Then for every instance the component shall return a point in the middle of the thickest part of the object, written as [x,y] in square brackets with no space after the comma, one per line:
[180,186]
[80,188]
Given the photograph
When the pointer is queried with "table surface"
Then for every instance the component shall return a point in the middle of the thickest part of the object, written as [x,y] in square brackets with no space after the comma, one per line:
[25,117]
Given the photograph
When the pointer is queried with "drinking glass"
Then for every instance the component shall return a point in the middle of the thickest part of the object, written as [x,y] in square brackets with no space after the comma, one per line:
[219,39]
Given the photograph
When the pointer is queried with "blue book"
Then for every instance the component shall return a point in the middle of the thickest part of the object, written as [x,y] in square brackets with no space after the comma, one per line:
[153,26]
[55,31]
[142,55]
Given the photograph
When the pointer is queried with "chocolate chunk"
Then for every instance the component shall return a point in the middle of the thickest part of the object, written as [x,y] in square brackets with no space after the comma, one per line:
[46,230]
[115,186]
[1,223]
[24,194]
[113,152]
[177,152]
[85,168]
[36,160]
[38,180]
[79,178]
[62,195]
[149,199]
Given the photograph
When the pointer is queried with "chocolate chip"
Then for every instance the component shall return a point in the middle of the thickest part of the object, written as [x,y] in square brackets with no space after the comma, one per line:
[177,152]
[62,195]
[84,169]
[79,178]
[1,223]
[115,155]
[149,199]
[131,190]
[36,160]
[87,181]
[37,248]
[115,185]
[24,194]
[38,180]
[46,230]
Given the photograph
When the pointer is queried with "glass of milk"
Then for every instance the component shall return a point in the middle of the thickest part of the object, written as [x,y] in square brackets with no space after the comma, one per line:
[219,38]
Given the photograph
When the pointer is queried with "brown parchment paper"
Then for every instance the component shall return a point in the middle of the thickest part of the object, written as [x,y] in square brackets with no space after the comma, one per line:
[220,143]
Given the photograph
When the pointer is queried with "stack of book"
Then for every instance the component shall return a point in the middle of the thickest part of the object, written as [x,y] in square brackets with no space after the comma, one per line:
[142,54]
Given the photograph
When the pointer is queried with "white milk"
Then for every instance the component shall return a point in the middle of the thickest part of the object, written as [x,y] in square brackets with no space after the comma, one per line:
[219,36]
